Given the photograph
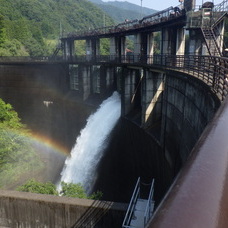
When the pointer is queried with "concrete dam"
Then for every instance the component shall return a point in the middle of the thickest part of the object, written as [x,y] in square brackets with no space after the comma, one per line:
[172,130]
[163,113]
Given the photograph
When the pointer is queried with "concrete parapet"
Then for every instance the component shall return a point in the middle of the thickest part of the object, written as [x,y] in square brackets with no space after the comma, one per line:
[20,209]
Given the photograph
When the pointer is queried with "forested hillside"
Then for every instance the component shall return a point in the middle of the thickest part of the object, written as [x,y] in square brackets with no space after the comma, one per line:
[120,11]
[32,27]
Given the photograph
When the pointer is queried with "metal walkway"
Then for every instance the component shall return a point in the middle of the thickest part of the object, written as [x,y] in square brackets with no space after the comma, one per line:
[137,220]
[139,210]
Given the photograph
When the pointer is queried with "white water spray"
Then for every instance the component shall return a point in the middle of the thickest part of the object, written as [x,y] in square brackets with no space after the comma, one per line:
[80,167]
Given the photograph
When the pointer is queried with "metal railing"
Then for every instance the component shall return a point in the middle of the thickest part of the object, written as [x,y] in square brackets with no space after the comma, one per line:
[150,205]
[212,70]
[153,19]
[131,207]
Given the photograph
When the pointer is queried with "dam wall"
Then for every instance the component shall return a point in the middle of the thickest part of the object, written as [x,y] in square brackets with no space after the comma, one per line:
[20,209]
[163,114]
[188,106]
[163,117]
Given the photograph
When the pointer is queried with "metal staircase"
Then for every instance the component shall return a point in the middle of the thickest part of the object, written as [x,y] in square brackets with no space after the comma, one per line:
[210,20]
[211,42]
[139,210]
[57,49]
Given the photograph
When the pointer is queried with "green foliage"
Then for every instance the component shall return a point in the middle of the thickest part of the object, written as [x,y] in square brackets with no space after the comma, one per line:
[17,156]
[68,189]
[32,22]
[73,190]
[104,46]
[77,190]
[8,117]
[38,187]
[2,31]
[96,195]
[13,48]
[80,47]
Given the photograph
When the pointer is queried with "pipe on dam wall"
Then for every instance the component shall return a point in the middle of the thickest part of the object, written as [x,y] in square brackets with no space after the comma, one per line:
[199,195]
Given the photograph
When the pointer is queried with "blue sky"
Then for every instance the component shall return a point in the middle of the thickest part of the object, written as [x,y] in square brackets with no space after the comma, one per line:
[162,4]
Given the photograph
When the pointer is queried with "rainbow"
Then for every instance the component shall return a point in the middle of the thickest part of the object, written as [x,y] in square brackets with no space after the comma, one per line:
[46,142]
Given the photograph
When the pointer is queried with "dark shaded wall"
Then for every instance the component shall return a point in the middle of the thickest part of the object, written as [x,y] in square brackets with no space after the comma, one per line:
[132,153]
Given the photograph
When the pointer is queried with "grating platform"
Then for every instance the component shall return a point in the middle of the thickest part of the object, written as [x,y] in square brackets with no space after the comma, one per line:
[138,217]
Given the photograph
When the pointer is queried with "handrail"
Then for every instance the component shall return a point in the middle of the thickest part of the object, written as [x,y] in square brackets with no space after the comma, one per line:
[221,7]
[156,18]
[131,206]
[149,208]
[212,70]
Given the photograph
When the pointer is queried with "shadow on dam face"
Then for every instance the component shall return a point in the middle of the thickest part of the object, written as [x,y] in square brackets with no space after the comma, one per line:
[131,154]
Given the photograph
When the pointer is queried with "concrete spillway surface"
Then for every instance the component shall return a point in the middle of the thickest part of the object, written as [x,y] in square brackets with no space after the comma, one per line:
[80,166]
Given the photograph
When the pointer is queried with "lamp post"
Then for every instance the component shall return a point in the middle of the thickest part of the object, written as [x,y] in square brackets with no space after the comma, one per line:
[141,8]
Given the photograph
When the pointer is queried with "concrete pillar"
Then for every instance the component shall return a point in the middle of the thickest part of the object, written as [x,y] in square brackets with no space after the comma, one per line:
[150,47]
[117,47]
[89,50]
[92,48]
[180,42]
[195,43]
[74,77]
[113,48]
[86,81]
[165,42]
[69,49]
[97,47]
[152,91]
[137,46]
[109,77]
[122,48]
[96,79]
[189,5]
[180,45]
[128,90]
[220,35]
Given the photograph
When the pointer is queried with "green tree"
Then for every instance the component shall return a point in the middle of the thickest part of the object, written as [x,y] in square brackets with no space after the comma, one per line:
[77,190]
[8,117]
[68,189]
[38,187]
[73,190]
[13,48]
[2,31]
[31,23]
[17,155]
